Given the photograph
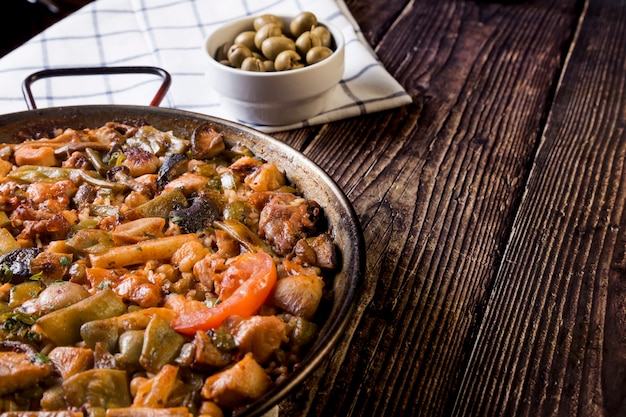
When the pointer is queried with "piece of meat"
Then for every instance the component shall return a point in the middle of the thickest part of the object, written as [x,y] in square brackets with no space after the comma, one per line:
[77,160]
[207,355]
[266,178]
[188,183]
[260,335]
[52,266]
[140,162]
[243,382]
[32,155]
[62,191]
[70,360]
[85,194]
[318,251]
[19,370]
[285,219]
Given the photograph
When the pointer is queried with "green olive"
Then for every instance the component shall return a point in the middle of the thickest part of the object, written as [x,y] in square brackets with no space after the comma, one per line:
[246,38]
[237,53]
[271,47]
[264,19]
[222,52]
[323,34]
[287,60]
[253,64]
[267,31]
[306,41]
[269,66]
[317,54]
[301,23]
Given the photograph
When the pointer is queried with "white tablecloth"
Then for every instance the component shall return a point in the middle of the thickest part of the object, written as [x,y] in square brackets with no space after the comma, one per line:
[170,34]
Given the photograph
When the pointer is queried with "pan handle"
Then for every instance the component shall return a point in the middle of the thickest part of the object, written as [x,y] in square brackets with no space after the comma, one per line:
[61,72]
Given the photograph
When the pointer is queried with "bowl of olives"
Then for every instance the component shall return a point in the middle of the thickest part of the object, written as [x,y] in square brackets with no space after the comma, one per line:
[275,70]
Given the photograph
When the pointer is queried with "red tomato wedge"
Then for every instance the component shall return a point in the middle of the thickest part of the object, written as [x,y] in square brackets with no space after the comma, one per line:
[256,271]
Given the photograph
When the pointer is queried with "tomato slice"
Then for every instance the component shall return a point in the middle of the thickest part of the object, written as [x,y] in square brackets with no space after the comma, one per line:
[257,274]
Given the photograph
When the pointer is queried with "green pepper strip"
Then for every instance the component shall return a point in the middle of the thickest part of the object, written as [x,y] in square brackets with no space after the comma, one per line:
[34,173]
[242,234]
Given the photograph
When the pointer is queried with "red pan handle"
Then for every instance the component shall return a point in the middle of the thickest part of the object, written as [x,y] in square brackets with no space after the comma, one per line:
[62,72]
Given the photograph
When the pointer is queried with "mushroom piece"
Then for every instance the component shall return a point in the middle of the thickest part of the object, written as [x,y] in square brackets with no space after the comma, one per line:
[202,212]
[173,166]
[121,175]
[206,142]
[15,265]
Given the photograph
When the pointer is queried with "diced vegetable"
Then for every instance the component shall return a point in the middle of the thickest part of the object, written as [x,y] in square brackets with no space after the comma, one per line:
[161,345]
[103,331]
[24,292]
[7,241]
[91,241]
[130,346]
[4,219]
[163,204]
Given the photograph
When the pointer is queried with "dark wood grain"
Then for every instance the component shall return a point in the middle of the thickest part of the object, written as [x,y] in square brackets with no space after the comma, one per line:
[436,185]
[553,341]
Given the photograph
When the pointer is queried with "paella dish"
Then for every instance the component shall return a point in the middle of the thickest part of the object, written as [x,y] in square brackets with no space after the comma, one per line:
[148,274]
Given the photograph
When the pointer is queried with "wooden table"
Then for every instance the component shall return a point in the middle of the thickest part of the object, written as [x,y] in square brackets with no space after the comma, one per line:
[493,210]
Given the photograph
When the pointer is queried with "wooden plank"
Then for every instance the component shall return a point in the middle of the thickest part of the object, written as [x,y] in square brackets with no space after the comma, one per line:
[553,341]
[436,185]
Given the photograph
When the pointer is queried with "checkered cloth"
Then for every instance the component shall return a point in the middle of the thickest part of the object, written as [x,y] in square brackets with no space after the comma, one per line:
[170,34]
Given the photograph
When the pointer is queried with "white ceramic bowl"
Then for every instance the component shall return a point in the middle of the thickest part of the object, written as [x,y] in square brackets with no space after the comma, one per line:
[273,98]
